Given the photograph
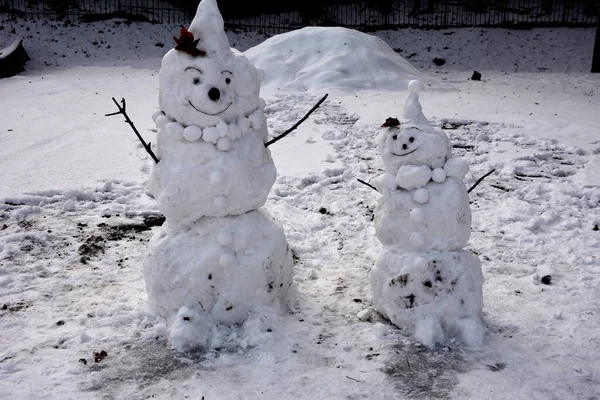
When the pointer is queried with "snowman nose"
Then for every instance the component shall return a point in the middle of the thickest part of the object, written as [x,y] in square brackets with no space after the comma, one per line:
[404,146]
[214,94]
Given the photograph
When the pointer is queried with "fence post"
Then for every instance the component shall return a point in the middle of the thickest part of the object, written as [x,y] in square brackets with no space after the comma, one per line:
[596,56]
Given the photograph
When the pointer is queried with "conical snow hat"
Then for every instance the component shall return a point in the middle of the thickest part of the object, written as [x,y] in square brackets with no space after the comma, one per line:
[412,116]
[208,28]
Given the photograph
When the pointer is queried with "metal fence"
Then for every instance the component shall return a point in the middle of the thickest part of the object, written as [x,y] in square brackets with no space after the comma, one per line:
[365,16]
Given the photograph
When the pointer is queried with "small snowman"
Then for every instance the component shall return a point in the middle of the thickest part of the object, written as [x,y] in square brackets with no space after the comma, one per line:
[220,259]
[423,279]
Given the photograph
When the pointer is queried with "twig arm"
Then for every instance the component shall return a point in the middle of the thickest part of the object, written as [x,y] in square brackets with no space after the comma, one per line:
[122,110]
[368,184]
[284,134]
[479,180]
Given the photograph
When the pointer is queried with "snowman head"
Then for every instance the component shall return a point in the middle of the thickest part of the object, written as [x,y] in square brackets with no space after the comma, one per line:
[408,145]
[413,141]
[202,80]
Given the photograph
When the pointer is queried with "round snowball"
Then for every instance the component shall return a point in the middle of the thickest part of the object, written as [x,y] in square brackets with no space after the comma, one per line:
[211,134]
[222,128]
[227,260]
[224,144]
[421,196]
[456,167]
[157,114]
[225,238]
[415,86]
[438,175]
[244,124]
[256,119]
[192,133]
[217,177]
[162,121]
[420,264]
[417,215]
[220,201]
[417,239]
[174,129]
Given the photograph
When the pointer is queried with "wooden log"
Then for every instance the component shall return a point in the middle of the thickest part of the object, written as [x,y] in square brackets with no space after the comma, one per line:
[12,59]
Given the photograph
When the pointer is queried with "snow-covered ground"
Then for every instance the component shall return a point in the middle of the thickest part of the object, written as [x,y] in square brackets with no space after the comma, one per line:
[75,219]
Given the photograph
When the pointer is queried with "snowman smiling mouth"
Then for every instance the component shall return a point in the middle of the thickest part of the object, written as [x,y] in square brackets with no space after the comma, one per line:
[204,112]
[405,154]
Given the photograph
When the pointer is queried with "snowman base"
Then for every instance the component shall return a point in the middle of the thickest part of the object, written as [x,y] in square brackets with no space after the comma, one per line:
[219,271]
[437,295]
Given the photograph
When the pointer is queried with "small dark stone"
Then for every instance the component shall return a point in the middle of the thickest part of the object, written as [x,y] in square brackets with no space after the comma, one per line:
[209,276]
[323,210]
[159,44]
[186,318]
[83,361]
[99,356]
[476,76]
[546,279]
[357,300]
[427,283]
[439,61]
[229,308]
[269,330]
[5,307]
[61,322]
[595,227]
[6,226]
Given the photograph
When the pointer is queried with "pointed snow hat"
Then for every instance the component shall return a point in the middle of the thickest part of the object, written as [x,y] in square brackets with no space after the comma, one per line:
[413,112]
[208,27]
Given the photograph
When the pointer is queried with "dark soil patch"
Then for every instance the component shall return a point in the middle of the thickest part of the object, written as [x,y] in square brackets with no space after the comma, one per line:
[421,373]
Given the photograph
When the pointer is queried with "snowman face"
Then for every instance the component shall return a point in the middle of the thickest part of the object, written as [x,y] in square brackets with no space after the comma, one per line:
[411,146]
[202,91]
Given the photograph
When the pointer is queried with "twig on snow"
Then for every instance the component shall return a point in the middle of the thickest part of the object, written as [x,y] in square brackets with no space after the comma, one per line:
[355,380]
[479,180]
[367,184]
[284,134]
[122,111]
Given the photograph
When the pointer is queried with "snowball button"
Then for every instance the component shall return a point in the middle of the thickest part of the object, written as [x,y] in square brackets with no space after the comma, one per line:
[421,196]
[438,175]
[222,128]
[157,114]
[192,133]
[224,144]
[162,121]
[417,215]
[217,177]
[174,129]
[256,119]
[211,134]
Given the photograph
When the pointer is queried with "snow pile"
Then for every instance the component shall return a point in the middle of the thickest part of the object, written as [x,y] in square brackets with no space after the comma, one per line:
[325,58]
[422,278]
[219,258]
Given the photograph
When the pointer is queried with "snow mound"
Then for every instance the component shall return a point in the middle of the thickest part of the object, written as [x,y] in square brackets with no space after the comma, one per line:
[322,58]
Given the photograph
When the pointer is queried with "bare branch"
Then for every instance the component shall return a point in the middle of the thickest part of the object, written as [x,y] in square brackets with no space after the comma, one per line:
[368,184]
[479,180]
[284,134]
[122,111]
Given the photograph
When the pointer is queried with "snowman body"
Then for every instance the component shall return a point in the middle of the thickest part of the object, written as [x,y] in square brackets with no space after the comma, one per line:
[220,258]
[422,279]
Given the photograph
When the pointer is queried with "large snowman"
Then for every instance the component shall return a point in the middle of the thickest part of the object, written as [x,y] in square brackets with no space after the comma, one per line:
[220,259]
[423,280]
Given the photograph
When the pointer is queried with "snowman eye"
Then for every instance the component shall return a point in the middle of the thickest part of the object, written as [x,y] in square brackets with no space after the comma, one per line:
[228,81]
[395,137]
[411,139]
[196,81]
